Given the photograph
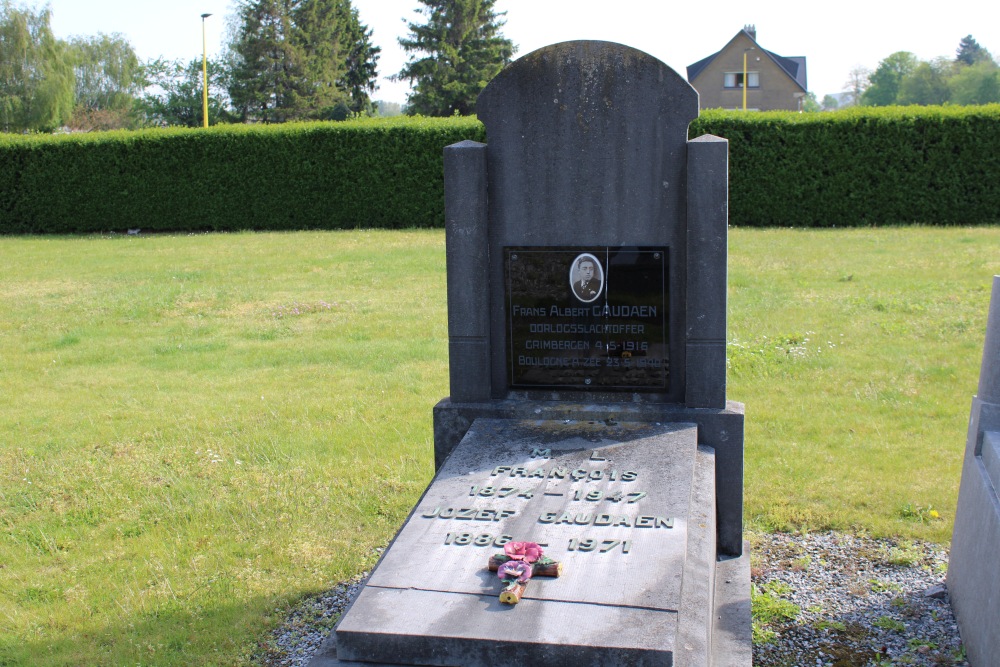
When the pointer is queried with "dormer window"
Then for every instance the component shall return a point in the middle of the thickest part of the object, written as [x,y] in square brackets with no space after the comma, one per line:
[735,80]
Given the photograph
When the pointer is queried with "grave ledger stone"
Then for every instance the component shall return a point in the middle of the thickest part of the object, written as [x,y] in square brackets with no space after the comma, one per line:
[973,571]
[586,257]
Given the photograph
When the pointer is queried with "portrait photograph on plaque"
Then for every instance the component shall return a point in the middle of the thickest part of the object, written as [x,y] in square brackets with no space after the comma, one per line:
[588,318]
[587,277]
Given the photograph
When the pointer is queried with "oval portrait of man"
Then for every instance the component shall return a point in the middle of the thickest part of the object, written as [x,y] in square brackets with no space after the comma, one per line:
[586,278]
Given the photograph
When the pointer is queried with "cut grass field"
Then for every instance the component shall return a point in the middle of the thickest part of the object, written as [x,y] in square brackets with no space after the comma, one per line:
[197,431]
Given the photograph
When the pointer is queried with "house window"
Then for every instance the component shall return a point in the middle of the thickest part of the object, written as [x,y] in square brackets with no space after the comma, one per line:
[735,80]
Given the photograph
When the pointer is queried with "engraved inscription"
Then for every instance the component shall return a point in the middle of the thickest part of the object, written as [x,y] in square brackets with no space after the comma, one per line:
[606,328]
[481,540]
[469,514]
[586,501]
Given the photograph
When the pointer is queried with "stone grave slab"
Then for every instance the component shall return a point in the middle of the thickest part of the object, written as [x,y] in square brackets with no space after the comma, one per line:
[611,502]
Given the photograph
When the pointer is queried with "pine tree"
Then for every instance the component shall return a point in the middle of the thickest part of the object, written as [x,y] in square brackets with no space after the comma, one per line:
[298,59]
[453,55]
[362,64]
[340,60]
[970,52]
[267,72]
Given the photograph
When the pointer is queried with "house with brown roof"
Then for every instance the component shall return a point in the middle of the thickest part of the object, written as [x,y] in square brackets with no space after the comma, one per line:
[772,82]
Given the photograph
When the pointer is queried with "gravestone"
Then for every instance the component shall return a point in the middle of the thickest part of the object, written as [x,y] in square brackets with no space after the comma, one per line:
[586,257]
[973,573]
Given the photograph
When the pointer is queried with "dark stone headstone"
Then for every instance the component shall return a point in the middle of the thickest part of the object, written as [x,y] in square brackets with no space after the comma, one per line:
[588,153]
[586,249]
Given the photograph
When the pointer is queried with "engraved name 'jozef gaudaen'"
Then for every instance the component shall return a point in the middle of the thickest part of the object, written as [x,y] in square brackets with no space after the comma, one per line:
[605,327]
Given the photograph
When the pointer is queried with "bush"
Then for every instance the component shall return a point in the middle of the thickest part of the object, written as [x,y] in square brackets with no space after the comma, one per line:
[861,166]
[858,167]
[364,173]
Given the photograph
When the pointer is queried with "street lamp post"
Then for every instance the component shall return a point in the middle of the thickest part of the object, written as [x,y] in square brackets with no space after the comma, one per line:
[204,72]
[745,81]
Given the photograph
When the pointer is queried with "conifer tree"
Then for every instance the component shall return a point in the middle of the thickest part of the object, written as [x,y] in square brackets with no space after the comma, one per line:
[298,59]
[453,55]
[970,52]
[267,71]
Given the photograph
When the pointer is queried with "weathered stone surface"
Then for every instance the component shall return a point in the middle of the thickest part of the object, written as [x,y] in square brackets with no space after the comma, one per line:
[973,576]
[586,145]
[991,457]
[614,504]
[433,628]
[469,299]
[732,631]
[707,254]
[720,429]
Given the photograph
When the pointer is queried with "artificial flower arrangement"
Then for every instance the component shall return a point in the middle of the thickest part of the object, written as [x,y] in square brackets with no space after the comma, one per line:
[519,562]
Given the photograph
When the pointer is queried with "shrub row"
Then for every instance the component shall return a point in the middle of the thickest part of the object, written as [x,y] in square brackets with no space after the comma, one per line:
[862,166]
[931,165]
[366,173]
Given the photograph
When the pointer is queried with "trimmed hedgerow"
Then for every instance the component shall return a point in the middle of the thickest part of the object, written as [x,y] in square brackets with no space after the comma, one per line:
[862,166]
[365,173]
[858,167]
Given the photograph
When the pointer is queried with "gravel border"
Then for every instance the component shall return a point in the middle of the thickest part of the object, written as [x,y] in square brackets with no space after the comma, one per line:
[833,599]
[861,601]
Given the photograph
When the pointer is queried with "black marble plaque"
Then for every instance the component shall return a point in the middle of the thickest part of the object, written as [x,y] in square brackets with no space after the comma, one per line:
[591,318]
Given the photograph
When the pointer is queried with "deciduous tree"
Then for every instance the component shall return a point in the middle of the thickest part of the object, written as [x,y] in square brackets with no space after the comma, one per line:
[927,84]
[856,84]
[174,95]
[453,55]
[885,81]
[109,79]
[36,71]
[976,84]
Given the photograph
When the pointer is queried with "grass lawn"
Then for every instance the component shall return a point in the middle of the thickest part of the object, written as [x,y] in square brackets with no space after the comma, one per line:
[199,430]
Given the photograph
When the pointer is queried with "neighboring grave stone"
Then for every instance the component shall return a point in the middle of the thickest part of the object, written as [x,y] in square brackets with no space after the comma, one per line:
[973,573]
[588,413]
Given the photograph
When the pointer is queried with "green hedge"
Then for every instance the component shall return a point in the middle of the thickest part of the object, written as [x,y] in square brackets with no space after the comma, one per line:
[931,165]
[365,173]
[862,166]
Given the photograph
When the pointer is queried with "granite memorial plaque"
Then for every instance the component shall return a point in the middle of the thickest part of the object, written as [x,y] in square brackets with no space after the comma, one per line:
[588,318]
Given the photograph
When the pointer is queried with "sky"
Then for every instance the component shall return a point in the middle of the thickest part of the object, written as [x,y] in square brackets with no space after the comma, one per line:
[834,37]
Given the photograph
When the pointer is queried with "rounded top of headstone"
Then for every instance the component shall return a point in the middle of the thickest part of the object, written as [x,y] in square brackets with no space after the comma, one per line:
[588,74]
